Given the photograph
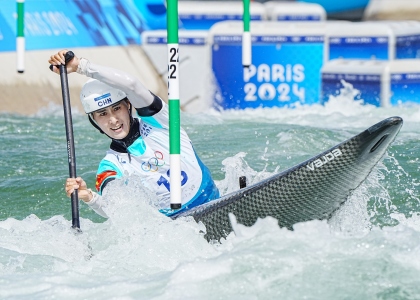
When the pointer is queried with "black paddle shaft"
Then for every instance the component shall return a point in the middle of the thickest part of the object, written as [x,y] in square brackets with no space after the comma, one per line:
[70,137]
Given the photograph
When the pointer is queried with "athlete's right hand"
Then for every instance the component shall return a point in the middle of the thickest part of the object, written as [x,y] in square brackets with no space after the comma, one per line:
[58,59]
[82,191]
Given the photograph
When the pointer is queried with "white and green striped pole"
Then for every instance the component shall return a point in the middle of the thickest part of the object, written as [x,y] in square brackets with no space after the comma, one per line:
[20,37]
[174,106]
[246,36]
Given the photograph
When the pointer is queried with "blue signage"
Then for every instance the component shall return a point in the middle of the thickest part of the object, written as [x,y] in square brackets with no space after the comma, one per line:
[363,47]
[334,6]
[202,21]
[298,18]
[367,47]
[405,88]
[80,23]
[162,40]
[285,71]
[408,46]
[369,86]
[7,35]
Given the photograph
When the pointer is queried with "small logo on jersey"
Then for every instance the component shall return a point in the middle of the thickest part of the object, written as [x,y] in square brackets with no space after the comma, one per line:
[153,164]
[324,159]
[103,100]
[121,160]
[145,129]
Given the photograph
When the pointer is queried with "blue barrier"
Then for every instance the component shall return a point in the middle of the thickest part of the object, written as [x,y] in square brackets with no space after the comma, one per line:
[405,88]
[333,6]
[285,70]
[368,84]
[380,82]
[80,23]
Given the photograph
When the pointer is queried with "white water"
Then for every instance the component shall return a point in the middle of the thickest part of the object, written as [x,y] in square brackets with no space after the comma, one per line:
[140,254]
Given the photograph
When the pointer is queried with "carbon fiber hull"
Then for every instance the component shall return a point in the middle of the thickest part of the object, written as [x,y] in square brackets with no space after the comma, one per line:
[311,190]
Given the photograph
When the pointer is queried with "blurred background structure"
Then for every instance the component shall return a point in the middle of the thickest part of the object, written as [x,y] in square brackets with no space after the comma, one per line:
[336,9]
[295,45]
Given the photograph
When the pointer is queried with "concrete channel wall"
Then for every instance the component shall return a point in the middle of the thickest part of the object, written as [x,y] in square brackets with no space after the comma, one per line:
[26,93]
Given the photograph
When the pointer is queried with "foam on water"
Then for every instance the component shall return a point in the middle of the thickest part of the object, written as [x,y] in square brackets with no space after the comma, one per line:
[342,111]
[235,167]
[140,254]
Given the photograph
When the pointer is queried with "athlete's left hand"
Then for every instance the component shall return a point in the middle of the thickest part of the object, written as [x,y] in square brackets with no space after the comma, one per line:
[82,191]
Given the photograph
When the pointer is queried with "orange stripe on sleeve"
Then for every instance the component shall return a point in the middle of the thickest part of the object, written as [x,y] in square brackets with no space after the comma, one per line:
[100,178]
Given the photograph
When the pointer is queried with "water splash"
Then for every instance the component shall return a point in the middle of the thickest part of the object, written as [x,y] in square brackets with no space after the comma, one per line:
[235,167]
[33,244]
[140,254]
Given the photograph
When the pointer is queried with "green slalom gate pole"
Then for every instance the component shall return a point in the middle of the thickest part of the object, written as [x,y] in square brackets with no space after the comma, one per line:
[246,36]
[20,36]
[174,106]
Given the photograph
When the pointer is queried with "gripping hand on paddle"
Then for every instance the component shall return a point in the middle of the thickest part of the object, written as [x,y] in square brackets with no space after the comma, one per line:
[82,191]
[59,59]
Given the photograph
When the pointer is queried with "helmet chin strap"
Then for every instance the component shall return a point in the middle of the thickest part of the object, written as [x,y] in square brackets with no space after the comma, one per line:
[93,122]
[130,111]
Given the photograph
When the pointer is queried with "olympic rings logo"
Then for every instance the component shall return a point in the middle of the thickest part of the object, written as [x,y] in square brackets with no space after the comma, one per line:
[154,163]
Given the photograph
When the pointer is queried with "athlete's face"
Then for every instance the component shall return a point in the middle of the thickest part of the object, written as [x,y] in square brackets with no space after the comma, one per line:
[114,120]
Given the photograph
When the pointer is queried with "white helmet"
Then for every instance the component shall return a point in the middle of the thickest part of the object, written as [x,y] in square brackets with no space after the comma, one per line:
[97,95]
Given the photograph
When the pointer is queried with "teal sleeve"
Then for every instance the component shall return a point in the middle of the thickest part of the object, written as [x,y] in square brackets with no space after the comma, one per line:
[106,171]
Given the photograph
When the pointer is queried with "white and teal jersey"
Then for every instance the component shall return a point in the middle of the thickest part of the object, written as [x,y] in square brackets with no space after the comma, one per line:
[148,157]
